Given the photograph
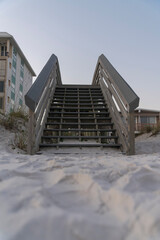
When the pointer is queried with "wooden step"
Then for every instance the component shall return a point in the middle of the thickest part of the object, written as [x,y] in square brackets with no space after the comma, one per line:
[80,97]
[78,88]
[79,137]
[78,103]
[82,124]
[82,113]
[78,129]
[80,118]
[87,112]
[80,145]
[78,108]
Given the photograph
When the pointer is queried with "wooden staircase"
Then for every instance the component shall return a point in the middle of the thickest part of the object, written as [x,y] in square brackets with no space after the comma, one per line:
[96,115]
[79,117]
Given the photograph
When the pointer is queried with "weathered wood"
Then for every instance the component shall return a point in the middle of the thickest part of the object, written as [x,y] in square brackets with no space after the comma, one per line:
[39,106]
[128,96]
[118,93]
[34,94]
[119,102]
[31,133]
[117,89]
[44,106]
[131,135]
[78,86]
[113,92]
[117,120]
[42,125]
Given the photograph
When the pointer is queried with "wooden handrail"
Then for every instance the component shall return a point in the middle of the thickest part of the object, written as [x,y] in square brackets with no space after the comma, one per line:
[121,100]
[38,101]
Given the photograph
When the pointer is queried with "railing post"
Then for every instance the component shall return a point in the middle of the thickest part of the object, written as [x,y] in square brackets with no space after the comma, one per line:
[131,134]
[31,133]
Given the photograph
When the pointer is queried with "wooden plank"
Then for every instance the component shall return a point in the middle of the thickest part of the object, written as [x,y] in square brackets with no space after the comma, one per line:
[79,129]
[78,86]
[77,137]
[43,121]
[44,106]
[117,89]
[119,124]
[126,93]
[120,105]
[50,70]
[131,135]
[81,145]
[82,124]
[31,133]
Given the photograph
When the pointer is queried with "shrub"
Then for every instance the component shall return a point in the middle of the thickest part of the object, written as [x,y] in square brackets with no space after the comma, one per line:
[20,113]
[7,121]
[148,129]
[156,130]
[16,121]
[20,140]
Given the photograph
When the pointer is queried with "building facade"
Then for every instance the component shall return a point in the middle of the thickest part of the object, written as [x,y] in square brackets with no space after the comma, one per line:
[16,74]
[145,118]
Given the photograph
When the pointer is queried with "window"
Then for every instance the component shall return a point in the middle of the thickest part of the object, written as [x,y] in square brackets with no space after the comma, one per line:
[14,52]
[3,50]
[13,80]
[149,120]
[14,64]
[152,120]
[1,86]
[1,102]
[22,63]
[22,74]
[2,68]
[12,95]
[20,88]
[20,102]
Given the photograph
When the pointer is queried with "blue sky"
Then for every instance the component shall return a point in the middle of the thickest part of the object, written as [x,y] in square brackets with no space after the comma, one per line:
[127,32]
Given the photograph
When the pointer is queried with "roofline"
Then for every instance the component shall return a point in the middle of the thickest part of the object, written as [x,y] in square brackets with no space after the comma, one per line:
[149,110]
[13,41]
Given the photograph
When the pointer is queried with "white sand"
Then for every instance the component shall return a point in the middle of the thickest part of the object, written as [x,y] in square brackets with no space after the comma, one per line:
[80,196]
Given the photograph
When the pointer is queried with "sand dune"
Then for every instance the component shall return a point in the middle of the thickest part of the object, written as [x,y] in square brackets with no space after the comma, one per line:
[80,196]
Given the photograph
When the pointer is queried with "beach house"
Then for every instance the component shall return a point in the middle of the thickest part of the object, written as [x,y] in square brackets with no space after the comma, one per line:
[16,74]
[145,118]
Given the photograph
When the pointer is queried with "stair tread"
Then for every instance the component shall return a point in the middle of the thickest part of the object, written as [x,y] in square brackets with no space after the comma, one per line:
[79,145]
[81,112]
[77,108]
[78,103]
[83,97]
[83,137]
[70,123]
[82,130]
[84,118]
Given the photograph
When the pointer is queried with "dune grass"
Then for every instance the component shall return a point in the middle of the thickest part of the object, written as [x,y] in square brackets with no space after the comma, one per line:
[16,121]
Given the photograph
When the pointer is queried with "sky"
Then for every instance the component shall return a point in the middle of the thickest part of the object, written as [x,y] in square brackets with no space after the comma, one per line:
[127,32]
